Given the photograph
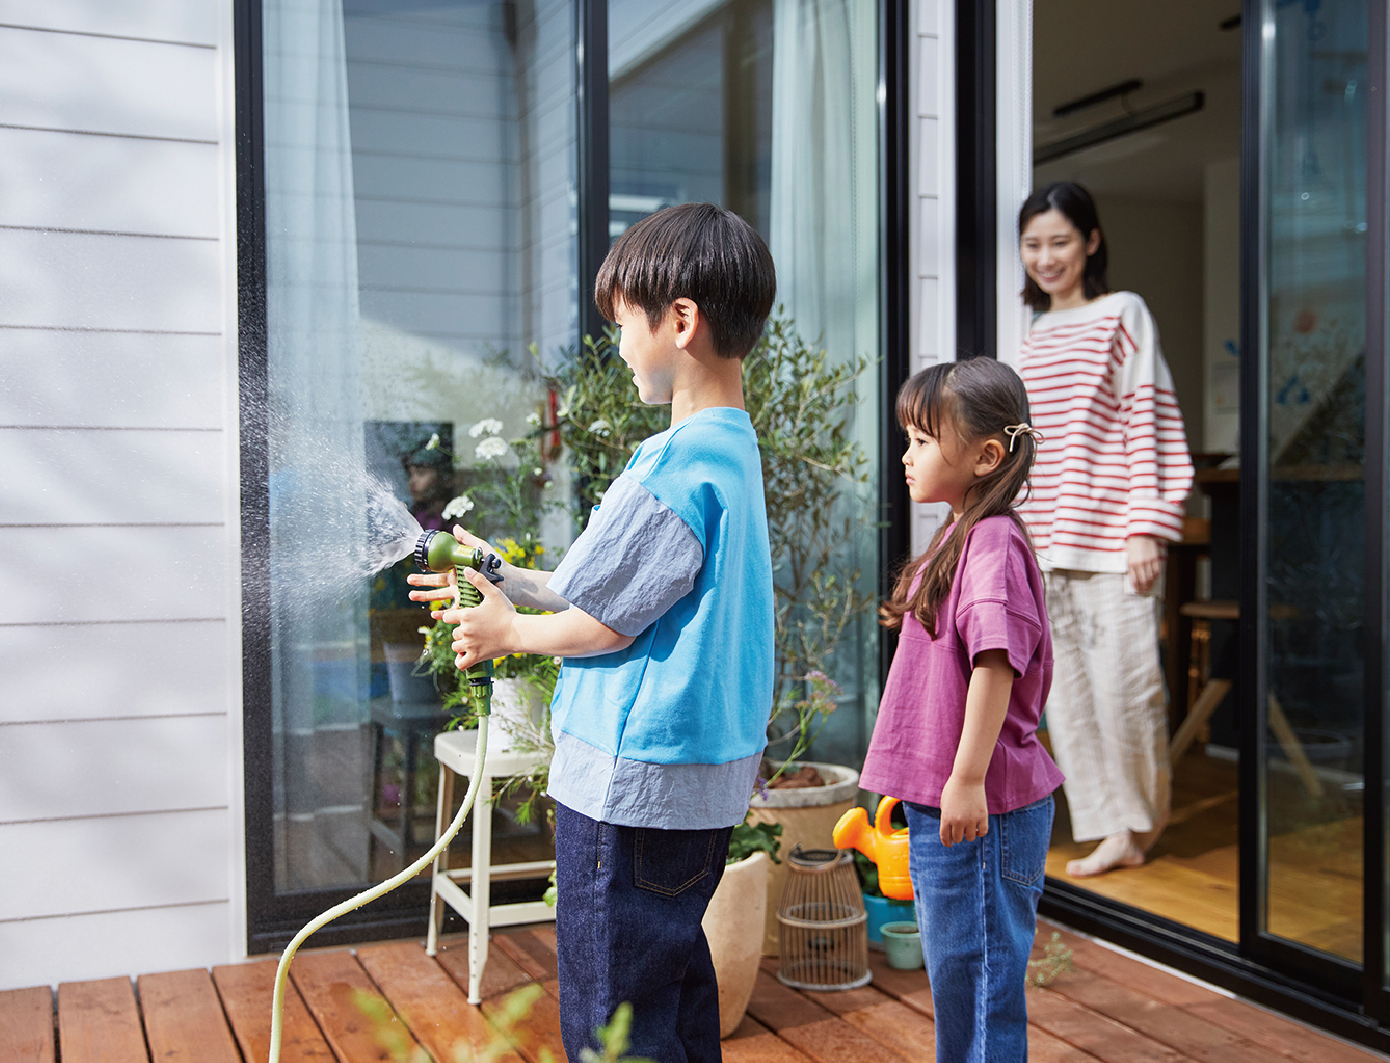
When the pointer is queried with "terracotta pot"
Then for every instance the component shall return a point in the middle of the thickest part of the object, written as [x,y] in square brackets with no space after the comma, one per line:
[808,816]
[733,922]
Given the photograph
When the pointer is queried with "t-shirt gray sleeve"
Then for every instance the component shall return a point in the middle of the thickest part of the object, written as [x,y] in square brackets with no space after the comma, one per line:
[635,560]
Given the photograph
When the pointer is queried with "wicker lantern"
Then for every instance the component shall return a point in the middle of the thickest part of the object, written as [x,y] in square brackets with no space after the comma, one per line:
[824,937]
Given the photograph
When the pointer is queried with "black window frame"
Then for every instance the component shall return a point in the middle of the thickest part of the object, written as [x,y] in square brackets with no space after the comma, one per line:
[273,918]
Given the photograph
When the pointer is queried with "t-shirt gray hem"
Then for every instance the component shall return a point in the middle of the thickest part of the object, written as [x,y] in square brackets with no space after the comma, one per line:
[636,793]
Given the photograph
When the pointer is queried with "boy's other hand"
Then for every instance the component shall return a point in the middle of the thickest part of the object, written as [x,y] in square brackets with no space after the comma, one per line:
[964,814]
[484,631]
[444,581]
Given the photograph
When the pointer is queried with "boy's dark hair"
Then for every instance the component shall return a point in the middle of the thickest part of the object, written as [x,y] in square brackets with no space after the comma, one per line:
[973,400]
[1076,205]
[696,251]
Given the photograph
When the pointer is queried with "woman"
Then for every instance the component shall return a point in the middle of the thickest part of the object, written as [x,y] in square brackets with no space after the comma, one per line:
[1108,490]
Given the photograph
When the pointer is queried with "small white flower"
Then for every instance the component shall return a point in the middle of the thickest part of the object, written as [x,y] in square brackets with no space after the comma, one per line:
[537,471]
[425,630]
[600,427]
[492,447]
[490,426]
[548,485]
[533,419]
[457,507]
[433,444]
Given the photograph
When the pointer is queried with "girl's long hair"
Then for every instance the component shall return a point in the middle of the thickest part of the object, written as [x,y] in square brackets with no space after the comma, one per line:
[973,400]
[1076,205]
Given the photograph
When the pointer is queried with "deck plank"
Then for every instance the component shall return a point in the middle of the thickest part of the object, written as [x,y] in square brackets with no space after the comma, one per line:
[26,1025]
[834,1040]
[1292,1040]
[333,985]
[247,990]
[534,955]
[431,1003]
[540,1029]
[752,1042]
[500,975]
[1105,1039]
[184,1022]
[99,1022]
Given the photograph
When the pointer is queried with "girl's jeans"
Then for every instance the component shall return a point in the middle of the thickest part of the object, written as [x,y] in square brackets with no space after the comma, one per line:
[627,929]
[977,909]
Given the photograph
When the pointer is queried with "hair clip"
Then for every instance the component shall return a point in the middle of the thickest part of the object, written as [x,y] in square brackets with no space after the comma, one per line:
[1013,431]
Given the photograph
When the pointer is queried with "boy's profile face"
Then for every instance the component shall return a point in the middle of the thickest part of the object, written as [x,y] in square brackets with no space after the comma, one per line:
[652,355]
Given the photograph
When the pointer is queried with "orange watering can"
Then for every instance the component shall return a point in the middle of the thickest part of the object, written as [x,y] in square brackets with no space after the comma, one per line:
[882,844]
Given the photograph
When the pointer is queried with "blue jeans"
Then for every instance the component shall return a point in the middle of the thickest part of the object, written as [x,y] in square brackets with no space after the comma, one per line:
[977,909]
[627,928]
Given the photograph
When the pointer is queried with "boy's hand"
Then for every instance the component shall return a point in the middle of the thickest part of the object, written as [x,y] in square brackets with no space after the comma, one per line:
[484,631]
[444,580]
[964,814]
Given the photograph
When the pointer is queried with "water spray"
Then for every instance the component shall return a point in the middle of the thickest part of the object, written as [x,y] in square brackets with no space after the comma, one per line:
[435,551]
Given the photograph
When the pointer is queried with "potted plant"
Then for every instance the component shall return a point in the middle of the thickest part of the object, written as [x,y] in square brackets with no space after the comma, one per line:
[733,922]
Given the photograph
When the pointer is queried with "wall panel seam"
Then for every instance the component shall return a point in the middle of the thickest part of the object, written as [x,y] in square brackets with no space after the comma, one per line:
[116,911]
[102,133]
[105,232]
[106,36]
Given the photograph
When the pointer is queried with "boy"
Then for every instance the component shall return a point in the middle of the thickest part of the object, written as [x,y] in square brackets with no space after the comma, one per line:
[663,612]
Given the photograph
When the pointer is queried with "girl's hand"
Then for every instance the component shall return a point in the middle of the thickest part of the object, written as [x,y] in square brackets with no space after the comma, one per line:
[1145,561]
[444,580]
[484,631]
[964,814]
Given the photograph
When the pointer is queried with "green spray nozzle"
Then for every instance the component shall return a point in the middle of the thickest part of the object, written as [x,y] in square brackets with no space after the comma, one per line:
[437,551]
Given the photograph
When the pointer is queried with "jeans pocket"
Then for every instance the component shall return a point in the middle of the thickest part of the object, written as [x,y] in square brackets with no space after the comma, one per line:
[1024,835]
[672,861]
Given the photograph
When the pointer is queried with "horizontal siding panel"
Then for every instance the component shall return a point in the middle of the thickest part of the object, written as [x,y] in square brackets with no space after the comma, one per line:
[81,947]
[432,225]
[75,476]
[484,317]
[125,574]
[154,669]
[60,770]
[484,273]
[410,88]
[427,43]
[441,182]
[68,280]
[432,136]
[161,20]
[106,379]
[62,180]
[139,862]
[97,84]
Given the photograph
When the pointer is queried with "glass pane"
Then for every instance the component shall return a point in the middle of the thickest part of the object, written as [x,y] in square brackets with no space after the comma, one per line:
[770,109]
[419,187]
[1315,217]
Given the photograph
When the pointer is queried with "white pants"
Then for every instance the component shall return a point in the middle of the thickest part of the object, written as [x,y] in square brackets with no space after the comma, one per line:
[1107,716]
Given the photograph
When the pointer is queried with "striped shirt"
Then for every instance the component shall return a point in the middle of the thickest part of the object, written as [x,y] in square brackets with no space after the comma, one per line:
[1115,461]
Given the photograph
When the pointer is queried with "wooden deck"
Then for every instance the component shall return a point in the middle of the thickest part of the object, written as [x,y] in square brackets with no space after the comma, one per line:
[390,1001]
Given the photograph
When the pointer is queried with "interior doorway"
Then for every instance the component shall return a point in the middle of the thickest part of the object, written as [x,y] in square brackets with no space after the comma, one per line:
[1141,104]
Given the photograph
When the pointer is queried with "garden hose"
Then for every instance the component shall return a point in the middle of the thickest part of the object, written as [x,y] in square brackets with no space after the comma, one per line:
[435,552]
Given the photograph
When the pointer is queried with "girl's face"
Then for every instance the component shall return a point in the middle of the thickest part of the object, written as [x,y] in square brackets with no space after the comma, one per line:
[1054,254]
[938,470]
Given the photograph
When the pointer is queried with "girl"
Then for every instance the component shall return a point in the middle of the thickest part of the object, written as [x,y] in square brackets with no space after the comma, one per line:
[1106,493]
[956,732]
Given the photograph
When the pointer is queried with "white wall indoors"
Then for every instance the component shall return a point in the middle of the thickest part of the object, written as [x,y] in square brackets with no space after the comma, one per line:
[120,753]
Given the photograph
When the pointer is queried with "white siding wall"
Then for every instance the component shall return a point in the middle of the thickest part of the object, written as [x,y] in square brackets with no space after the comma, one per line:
[119,684]
[932,74]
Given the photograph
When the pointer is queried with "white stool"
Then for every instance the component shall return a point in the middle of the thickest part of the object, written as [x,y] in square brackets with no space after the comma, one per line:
[455,752]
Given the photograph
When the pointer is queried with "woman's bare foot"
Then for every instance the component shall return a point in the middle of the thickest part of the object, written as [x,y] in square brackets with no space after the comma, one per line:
[1118,850]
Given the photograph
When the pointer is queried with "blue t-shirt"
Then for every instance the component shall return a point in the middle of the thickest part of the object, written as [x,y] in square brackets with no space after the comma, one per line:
[669,731]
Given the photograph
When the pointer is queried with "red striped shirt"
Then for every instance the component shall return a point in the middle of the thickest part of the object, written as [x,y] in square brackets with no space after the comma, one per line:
[1114,461]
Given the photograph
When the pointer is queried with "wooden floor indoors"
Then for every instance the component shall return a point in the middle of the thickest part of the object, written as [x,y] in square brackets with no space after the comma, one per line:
[389,1001]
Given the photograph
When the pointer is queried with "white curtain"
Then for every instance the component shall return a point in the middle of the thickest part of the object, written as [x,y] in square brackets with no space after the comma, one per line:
[824,223]
[320,656]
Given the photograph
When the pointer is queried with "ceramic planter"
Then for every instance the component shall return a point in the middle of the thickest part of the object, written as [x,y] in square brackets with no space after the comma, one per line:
[882,910]
[903,944]
[808,817]
[733,925]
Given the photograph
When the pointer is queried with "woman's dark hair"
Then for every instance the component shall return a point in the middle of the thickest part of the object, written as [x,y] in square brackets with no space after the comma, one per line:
[1077,206]
[975,400]
[696,251]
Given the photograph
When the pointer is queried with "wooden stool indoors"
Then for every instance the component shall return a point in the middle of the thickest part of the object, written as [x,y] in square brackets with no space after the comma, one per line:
[1216,689]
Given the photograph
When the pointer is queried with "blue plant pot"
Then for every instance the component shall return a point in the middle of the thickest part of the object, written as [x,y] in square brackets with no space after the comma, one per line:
[882,910]
[903,945]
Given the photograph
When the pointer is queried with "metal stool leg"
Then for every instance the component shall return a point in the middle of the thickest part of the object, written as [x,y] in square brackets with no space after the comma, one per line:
[481,890]
[442,819]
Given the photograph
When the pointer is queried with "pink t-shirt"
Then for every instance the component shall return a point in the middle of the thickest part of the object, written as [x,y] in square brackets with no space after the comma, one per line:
[995,603]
